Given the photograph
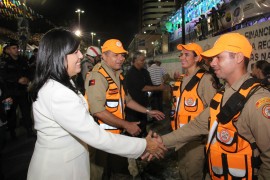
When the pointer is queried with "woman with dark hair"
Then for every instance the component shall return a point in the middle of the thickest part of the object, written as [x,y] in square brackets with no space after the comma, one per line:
[262,72]
[63,123]
[261,69]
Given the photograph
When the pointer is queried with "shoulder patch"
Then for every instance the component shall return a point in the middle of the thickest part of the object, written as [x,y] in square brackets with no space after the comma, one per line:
[262,101]
[92,82]
[266,111]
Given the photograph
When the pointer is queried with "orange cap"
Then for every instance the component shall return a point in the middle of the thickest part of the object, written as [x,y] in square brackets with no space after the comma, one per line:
[113,45]
[231,42]
[191,47]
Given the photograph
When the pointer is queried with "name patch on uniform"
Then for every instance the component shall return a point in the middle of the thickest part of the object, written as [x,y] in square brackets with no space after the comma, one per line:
[113,91]
[266,111]
[92,82]
[262,101]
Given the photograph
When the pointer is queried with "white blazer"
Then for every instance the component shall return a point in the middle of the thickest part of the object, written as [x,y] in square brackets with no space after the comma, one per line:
[64,127]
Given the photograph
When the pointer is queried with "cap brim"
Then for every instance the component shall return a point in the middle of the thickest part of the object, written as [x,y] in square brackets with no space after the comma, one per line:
[181,46]
[211,52]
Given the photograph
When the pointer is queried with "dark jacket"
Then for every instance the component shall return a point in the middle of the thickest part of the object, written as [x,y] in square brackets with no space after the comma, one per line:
[3,95]
[11,71]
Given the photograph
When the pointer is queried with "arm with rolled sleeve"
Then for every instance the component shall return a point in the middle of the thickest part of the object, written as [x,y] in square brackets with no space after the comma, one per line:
[96,92]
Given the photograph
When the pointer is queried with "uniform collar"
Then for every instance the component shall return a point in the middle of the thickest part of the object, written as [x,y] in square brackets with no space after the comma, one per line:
[194,72]
[112,73]
[235,86]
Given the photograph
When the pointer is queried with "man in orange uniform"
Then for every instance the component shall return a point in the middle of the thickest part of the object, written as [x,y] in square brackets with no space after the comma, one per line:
[107,100]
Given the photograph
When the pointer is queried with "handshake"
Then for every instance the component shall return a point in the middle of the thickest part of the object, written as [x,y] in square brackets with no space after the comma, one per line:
[154,147]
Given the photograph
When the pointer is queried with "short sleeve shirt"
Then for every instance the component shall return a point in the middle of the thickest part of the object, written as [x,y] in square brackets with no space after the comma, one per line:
[135,81]
[96,86]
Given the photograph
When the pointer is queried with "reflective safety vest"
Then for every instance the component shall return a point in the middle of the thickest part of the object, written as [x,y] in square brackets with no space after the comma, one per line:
[186,104]
[230,156]
[115,103]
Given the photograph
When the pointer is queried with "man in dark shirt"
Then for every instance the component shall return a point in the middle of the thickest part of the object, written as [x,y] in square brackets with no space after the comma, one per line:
[138,83]
[15,73]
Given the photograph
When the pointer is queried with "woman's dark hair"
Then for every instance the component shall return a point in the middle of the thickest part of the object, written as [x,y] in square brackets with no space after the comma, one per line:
[199,63]
[261,64]
[51,63]
[265,68]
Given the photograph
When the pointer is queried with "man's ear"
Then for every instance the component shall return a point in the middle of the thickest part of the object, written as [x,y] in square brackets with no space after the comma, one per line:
[102,56]
[239,57]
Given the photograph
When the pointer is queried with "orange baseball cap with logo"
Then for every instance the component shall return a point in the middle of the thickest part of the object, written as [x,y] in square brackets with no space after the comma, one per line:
[191,47]
[231,42]
[113,45]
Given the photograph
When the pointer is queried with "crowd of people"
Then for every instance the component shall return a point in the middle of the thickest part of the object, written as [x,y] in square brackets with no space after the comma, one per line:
[16,72]
[91,120]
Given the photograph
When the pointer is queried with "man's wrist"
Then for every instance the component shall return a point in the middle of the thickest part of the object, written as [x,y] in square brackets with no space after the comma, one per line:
[147,111]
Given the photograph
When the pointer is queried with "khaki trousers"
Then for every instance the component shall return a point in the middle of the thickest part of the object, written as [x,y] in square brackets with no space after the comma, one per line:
[191,161]
[105,166]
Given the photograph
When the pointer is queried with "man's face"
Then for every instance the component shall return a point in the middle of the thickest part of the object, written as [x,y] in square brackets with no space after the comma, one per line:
[140,62]
[224,65]
[13,51]
[113,60]
[188,59]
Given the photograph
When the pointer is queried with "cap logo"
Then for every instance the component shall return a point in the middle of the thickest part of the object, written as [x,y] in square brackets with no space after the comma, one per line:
[118,44]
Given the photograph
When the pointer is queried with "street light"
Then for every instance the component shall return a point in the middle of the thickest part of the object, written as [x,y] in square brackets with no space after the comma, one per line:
[79,11]
[98,42]
[78,32]
[93,34]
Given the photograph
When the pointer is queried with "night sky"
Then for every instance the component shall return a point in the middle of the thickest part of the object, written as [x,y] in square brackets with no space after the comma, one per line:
[107,18]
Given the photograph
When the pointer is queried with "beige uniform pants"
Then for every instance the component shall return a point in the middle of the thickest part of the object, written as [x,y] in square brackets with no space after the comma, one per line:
[191,161]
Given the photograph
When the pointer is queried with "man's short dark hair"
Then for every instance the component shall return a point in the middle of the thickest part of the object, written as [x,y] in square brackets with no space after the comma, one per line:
[12,43]
[151,62]
[136,55]
[35,50]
